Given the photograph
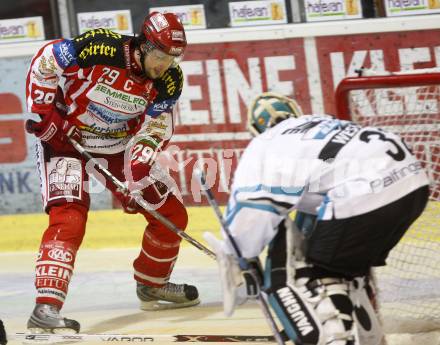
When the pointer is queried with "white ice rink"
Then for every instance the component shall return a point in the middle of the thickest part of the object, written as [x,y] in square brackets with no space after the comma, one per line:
[102,297]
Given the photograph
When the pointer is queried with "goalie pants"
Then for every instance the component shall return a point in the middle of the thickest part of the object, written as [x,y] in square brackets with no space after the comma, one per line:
[353,245]
[66,199]
[349,247]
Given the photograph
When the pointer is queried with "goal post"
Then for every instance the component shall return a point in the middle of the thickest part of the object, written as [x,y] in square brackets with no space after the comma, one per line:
[407,104]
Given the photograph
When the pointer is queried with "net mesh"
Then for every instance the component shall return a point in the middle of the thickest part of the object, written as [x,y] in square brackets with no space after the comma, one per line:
[409,286]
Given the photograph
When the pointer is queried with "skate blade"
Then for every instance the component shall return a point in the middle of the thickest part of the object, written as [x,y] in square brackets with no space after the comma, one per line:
[162,305]
[63,331]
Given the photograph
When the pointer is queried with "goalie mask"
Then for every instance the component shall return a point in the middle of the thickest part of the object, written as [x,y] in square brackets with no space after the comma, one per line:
[268,109]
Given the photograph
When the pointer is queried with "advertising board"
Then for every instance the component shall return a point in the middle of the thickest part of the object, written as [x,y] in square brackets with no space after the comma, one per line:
[220,80]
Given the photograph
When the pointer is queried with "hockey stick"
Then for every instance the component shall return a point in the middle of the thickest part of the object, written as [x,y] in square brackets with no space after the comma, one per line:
[140,201]
[243,263]
[138,338]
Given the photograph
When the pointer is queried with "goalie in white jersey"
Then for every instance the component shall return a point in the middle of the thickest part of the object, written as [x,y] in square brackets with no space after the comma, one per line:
[355,190]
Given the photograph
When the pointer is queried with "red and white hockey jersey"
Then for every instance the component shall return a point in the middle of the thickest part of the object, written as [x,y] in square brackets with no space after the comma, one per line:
[318,165]
[94,78]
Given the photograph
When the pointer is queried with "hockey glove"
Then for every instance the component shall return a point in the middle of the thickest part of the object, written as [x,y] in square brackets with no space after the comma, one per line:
[155,193]
[55,131]
[231,275]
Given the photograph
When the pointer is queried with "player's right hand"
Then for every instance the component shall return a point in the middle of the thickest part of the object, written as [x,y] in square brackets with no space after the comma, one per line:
[54,130]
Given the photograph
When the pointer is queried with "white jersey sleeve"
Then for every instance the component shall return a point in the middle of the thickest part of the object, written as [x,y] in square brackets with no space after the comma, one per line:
[44,74]
[319,165]
[258,201]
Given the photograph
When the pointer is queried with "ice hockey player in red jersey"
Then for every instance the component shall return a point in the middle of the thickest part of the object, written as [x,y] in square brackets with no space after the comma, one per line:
[115,95]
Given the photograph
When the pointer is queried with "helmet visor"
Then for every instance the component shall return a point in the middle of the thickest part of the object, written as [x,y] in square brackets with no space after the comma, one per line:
[159,56]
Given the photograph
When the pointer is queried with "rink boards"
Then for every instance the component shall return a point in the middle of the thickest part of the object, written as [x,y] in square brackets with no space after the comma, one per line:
[113,228]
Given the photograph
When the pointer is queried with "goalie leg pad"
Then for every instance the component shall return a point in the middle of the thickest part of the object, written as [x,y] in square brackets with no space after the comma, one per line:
[335,310]
[317,309]
[368,330]
[300,322]
[275,270]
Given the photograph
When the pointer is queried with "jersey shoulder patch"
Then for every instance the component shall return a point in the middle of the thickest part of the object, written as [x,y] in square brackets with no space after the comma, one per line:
[170,85]
[100,47]
[64,52]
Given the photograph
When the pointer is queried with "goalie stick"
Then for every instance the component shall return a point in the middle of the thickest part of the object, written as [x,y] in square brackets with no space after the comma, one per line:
[138,338]
[243,263]
[140,201]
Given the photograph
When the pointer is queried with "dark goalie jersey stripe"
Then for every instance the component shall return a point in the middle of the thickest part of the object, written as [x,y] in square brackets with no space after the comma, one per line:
[338,141]
[285,205]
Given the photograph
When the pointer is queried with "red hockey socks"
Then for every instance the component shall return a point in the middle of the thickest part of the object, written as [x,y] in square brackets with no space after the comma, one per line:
[55,262]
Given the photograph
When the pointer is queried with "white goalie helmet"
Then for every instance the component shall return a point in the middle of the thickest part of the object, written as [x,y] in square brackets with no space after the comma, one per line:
[268,109]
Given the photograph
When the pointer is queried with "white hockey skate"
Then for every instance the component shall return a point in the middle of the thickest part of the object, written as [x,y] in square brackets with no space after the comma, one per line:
[46,318]
[170,296]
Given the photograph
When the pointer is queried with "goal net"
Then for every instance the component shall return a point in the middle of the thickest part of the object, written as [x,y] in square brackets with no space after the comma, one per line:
[407,104]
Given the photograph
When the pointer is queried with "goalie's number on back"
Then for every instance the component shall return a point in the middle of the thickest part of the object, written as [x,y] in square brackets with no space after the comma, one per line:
[398,154]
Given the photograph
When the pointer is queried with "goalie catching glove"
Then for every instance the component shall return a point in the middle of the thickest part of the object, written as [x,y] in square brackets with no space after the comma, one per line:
[233,275]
